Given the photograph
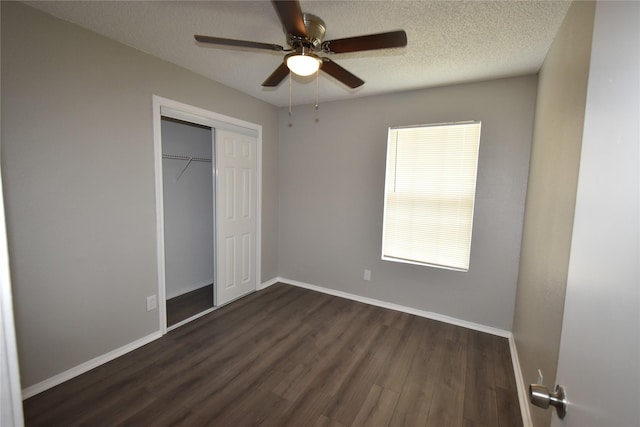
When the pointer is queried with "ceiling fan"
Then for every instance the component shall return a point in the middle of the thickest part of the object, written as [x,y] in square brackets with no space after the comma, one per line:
[305,33]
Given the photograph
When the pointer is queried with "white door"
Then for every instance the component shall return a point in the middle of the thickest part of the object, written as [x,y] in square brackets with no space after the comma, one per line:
[10,393]
[236,221]
[599,360]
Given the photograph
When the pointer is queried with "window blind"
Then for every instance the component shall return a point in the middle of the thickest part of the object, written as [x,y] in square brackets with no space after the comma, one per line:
[429,194]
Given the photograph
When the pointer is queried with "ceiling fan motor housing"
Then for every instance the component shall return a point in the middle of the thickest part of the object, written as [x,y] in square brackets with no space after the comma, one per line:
[315,32]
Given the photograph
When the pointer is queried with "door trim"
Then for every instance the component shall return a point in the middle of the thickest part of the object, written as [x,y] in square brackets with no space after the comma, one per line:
[177,110]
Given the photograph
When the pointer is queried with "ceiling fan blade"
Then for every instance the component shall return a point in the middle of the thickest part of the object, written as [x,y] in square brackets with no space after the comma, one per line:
[291,17]
[368,42]
[339,73]
[277,76]
[238,43]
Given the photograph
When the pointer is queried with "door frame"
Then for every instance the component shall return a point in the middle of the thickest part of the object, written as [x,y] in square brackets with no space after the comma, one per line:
[177,110]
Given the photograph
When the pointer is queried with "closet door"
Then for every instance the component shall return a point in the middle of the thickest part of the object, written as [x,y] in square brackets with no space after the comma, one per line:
[236,215]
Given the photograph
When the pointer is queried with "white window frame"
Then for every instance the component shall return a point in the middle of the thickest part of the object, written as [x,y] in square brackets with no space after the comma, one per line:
[423,179]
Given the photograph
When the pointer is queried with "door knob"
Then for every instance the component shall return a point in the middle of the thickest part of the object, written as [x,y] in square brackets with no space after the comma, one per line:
[540,396]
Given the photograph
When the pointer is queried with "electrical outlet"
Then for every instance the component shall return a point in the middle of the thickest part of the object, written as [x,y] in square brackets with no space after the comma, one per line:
[367,275]
[152,302]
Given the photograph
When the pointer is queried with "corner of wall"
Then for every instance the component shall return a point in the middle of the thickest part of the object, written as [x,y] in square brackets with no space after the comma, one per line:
[521,385]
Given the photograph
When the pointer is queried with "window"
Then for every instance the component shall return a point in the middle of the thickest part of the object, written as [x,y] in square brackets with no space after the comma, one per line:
[430,189]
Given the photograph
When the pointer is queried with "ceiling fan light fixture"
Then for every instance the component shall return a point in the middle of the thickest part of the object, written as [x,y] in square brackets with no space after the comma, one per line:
[303,63]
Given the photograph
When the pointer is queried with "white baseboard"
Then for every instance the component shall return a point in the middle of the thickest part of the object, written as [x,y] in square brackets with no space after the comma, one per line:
[268,283]
[523,390]
[398,307]
[87,366]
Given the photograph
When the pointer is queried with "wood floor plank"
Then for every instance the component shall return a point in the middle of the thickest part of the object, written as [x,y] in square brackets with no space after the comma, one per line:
[480,405]
[429,358]
[338,371]
[114,407]
[395,374]
[288,356]
[306,410]
[166,412]
[256,407]
[412,408]
[321,383]
[508,408]
[316,358]
[358,383]
[247,371]
[323,421]
[503,370]
[447,403]
[377,408]
[414,403]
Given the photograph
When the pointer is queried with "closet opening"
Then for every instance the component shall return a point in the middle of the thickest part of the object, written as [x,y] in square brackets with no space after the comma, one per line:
[188,183]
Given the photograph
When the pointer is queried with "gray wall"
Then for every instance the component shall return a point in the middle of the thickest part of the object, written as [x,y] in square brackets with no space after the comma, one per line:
[188,208]
[548,224]
[77,163]
[331,187]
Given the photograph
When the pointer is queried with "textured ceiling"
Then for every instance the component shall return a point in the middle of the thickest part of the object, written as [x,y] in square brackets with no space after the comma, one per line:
[448,41]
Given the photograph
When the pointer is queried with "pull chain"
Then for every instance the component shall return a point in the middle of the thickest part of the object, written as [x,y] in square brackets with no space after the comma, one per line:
[317,84]
[290,83]
[317,92]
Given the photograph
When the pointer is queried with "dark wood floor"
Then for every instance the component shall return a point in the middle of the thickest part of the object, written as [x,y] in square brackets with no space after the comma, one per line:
[184,306]
[290,356]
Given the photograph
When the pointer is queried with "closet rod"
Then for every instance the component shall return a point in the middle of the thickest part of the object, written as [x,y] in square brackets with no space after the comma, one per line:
[189,160]
[177,157]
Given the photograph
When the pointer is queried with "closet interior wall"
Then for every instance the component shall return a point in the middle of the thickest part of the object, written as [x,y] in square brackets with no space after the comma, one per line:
[188,206]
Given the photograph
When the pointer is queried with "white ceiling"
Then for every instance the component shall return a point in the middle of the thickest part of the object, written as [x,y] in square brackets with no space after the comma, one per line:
[448,41]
